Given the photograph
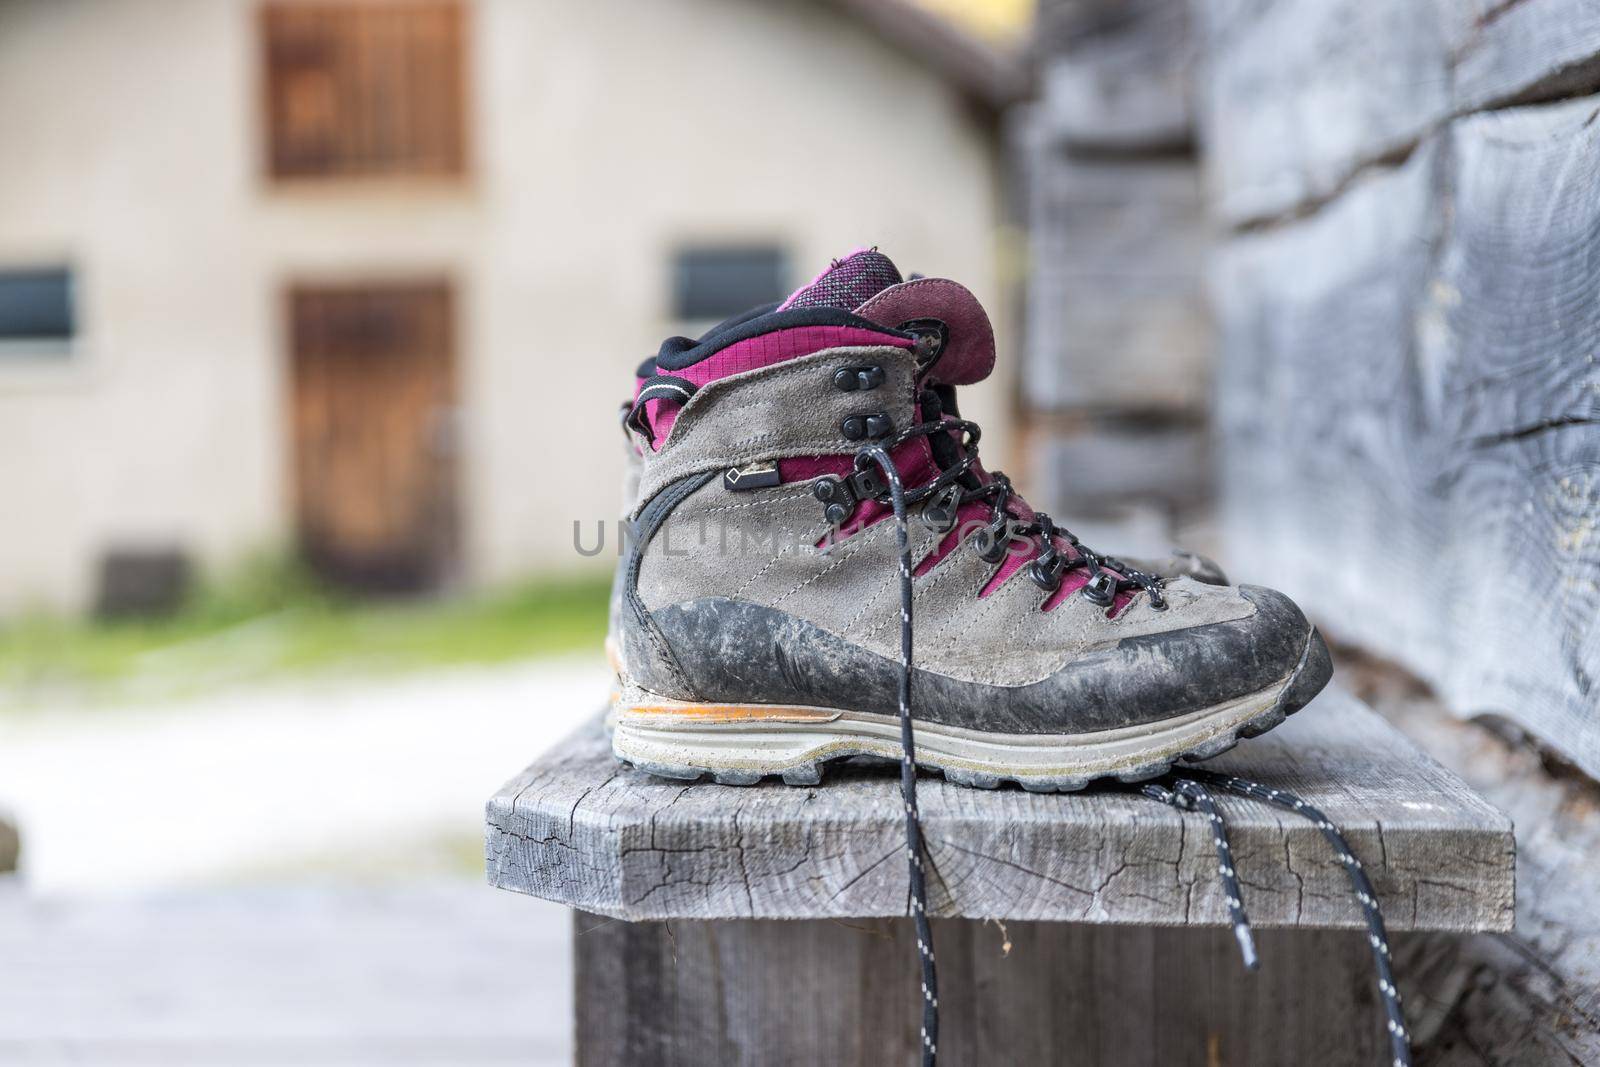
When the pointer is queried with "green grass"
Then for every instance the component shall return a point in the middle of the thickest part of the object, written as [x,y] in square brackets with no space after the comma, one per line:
[270,620]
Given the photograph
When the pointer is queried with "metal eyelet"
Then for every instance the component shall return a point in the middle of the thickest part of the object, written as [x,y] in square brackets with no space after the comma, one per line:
[1101,590]
[939,514]
[874,425]
[840,496]
[991,542]
[837,499]
[1047,577]
[932,335]
[851,379]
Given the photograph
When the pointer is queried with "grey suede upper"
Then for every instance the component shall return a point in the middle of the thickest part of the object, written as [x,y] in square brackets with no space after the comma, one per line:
[724,578]
[788,409]
[761,545]
[851,588]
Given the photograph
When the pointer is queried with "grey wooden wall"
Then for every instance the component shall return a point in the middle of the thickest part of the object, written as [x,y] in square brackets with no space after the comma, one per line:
[1406,284]
[1117,356]
[1388,211]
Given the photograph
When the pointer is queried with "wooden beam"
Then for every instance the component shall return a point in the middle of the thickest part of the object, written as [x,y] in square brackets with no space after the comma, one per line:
[1410,416]
[1116,312]
[1298,96]
[1118,74]
[1025,992]
[577,828]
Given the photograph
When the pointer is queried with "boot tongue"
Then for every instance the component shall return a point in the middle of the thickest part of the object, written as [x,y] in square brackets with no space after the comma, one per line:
[968,355]
[867,283]
[847,283]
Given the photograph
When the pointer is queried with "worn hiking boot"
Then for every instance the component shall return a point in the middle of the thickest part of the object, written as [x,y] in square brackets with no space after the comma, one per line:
[633,466]
[1178,563]
[761,619]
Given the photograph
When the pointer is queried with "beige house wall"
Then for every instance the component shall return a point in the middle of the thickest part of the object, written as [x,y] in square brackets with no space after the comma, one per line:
[603,134]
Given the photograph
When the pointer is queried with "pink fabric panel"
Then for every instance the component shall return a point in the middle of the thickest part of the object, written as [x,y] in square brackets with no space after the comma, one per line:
[913,459]
[777,347]
[753,354]
[659,415]
[805,468]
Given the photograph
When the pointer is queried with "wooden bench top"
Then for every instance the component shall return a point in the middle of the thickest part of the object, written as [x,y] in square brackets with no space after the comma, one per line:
[579,829]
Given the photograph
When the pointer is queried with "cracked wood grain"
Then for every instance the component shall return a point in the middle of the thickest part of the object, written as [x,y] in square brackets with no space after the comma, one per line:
[1409,415]
[578,829]
[831,993]
[1299,96]
[1531,995]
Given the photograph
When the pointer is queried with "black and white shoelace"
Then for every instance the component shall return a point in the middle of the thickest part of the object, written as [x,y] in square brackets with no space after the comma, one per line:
[916,851]
[1187,792]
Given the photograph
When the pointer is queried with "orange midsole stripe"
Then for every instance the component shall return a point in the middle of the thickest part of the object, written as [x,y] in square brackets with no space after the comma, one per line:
[731,712]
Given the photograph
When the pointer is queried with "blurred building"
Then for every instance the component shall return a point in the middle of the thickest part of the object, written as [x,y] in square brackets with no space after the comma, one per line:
[370,278]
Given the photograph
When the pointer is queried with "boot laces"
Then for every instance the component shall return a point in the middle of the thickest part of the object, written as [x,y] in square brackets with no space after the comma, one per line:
[958,483]
[1184,792]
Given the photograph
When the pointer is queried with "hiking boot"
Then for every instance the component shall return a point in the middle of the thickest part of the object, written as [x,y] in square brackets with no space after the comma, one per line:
[1178,564]
[632,467]
[761,620]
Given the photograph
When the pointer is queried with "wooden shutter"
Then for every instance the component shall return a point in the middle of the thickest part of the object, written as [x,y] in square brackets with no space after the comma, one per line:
[364,88]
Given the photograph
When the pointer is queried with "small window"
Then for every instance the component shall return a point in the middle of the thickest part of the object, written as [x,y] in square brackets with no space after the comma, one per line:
[362,90]
[715,283]
[36,311]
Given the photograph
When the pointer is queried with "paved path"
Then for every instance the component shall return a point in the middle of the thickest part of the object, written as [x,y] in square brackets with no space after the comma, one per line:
[118,799]
[449,974]
[147,928]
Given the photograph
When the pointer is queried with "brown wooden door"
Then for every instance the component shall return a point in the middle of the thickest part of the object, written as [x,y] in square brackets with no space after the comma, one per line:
[373,428]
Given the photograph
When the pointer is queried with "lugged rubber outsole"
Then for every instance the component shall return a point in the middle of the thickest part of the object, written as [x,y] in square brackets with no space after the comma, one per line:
[631,743]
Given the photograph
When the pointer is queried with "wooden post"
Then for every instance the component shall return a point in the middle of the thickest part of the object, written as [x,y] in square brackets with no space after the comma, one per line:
[764,924]
[845,993]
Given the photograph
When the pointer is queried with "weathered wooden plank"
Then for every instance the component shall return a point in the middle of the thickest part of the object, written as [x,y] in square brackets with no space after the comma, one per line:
[1117,74]
[1410,415]
[1298,95]
[1324,490]
[1116,315]
[1027,992]
[1102,466]
[577,828]
[1520,51]
[1532,995]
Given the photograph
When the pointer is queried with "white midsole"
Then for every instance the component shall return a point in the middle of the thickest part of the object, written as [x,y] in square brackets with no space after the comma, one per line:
[772,745]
